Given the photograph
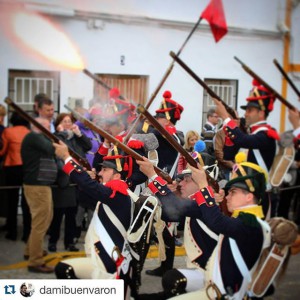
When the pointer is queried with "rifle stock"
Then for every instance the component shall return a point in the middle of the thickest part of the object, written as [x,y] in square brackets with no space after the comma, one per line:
[265,84]
[115,141]
[46,132]
[287,78]
[175,144]
[203,84]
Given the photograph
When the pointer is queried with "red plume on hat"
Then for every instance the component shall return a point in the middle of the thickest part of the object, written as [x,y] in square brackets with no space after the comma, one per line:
[114,93]
[170,108]
[167,94]
[260,97]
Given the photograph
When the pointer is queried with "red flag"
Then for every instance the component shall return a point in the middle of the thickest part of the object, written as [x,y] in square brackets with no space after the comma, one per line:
[214,15]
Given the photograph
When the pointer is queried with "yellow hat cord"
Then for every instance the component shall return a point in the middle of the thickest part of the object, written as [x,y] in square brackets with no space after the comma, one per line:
[118,161]
[248,181]
[260,102]
[164,104]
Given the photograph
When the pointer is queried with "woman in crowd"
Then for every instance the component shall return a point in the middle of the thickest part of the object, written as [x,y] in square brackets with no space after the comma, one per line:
[65,193]
[12,138]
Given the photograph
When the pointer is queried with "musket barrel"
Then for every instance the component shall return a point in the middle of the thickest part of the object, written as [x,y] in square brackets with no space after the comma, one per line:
[98,80]
[265,84]
[287,78]
[115,141]
[203,84]
[175,144]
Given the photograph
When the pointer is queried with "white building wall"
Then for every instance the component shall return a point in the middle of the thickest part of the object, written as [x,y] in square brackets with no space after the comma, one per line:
[254,38]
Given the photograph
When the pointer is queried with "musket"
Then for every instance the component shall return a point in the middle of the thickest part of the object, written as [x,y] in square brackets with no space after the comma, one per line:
[287,78]
[115,141]
[203,84]
[98,80]
[161,83]
[266,85]
[213,183]
[47,133]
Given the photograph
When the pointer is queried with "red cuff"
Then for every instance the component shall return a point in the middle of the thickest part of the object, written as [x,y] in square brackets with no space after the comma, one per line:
[72,165]
[103,150]
[158,185]
[205,195]
[231,124]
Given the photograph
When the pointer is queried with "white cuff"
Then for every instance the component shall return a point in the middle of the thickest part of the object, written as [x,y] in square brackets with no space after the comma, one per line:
[227,120]
[152,178]
[296,132]
[68,159]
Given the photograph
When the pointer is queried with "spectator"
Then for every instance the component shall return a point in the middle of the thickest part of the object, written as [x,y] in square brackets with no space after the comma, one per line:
[64,195]
[46,109]
[2,116]
[3,194]
[191,138]
[209,130]
[37,99]
[39,171]
[225,151]
[12,139]
[94,137]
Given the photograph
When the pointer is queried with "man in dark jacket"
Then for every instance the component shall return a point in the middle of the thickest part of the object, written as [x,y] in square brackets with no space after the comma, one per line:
[39,170]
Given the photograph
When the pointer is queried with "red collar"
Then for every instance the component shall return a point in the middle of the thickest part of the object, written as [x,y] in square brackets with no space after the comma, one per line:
[271,132]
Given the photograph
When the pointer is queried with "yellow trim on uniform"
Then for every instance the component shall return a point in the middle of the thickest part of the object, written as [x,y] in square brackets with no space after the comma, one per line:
[145,127]
[254,210]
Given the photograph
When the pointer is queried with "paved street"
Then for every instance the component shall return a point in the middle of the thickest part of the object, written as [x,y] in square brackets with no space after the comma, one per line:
[12,253]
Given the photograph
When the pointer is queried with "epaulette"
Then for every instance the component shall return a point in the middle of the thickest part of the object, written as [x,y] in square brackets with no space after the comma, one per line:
[228,129]
[135,144]
[204,196]
[158,185]
[248,219]
[117,186]
[72,165]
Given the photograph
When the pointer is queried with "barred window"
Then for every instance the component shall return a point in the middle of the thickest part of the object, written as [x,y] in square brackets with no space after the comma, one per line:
[226,89]
[25,84]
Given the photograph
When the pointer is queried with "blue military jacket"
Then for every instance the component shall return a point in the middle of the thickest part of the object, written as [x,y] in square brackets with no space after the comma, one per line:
[244,229]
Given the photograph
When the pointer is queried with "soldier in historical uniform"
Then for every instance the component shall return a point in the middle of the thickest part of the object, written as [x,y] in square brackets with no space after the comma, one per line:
[222,251]
[260,142]
[167,115]
[105,244]
[115,118]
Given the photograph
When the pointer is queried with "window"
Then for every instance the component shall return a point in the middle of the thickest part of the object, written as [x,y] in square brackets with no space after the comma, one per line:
[25,84]
[226,89]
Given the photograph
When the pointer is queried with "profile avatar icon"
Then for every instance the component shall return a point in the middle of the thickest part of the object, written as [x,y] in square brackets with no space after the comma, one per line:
[26,289]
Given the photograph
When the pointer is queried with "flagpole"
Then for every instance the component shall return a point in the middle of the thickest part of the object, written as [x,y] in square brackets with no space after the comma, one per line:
[189,36]
[161,83]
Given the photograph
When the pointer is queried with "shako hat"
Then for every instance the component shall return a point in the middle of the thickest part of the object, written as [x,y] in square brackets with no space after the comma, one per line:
[169,108]
[119,110]
[260,97]
[250,177]
[119,161]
